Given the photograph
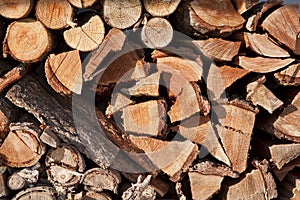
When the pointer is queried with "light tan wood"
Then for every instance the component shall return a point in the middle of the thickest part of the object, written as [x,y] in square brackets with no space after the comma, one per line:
[99,196]
[15,9]
[98,179]
[40,192]
[16,182]
[161,8]
[64,72]
[263,45]
[4,190]
[289,76]
[259,94]
[86,37]
[118,101]
[218,49]
[24,37]
[204,186]
[82,3]
[54,14]
[62,176]
[50,138]
[157,33]
[146,118]
[263,65]
[289,24]
[173,157]
[22,146]
[122,14]
[244,5]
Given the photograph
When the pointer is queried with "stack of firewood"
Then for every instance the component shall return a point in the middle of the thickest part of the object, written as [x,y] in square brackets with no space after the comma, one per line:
[103,99]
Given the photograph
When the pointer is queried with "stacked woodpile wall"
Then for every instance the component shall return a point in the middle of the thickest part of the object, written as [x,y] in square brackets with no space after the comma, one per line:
[149,99]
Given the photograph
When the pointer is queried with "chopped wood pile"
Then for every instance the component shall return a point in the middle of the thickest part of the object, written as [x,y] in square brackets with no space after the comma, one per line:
[149,99]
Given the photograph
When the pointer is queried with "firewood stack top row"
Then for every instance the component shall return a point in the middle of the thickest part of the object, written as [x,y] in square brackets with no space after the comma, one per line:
[149,99]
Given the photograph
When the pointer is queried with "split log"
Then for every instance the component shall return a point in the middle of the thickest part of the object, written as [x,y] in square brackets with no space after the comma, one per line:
[122,14]
[180,155]
[282,154]
[82,3]
[40,192]
[98,179]
[259,94]
[244,5]
[289,76]
[263,65]
[161,8]
[17,9]
[4,190]
[236,132]
[24,37]
[118,101]
[54,14]
[289,24]
[289,187]
[64,72]
[88,35]
[263,45]
[50,138]
[22,147]
[218,49]
[204,186]
[93,195]
[8,113]
[258,184]
[157,33]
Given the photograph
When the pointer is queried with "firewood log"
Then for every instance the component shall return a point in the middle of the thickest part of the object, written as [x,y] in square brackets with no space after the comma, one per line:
[24,37]
[289,187]
[50,138]
[8,113]
[122,14]
[289,76]
[4,190]
[244,5]
[40,192]
[17,9]
[54,14]
[82,3]
[157,33]
[16,182]
[161,8]
[88,35]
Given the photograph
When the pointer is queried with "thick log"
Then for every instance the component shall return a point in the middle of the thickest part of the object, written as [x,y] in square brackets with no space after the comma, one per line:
[157,33]
[122,14]
[289,24]
[82,3]
[161,8]
[289,76]
[64,72]
[16,9]
[88,35]
[54,14]
[40,192]
[24,37]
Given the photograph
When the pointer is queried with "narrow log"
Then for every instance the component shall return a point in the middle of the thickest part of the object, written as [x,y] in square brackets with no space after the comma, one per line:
[161,8]
[263,45]
[263,65]
[16,182]
[218,49]
[82,3]
[289,76]
[204,186]
[40,192]
[4,190]
[157,33]
[22,147]
[50,138]
[24,37]
[259,94]
[98,179]
[289,24]
[122,14]
[88,36]
[146,118]
[17,9]
[54,14]
[244,5]
[64,72]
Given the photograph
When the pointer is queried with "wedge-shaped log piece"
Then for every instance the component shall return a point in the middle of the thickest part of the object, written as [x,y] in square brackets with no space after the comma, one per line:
[244,5]
[64,72]
[289,76]
[161,8]
[118,101]
[146,118]
[286,30]
[236,132]
[172,157]
[218,49]
[15,9]
[25,37]
[122,14]
[22,147]
[86,37]
[263,65]
[259,94]
[261,44]
[40,192]
[82,3]
[204,186]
